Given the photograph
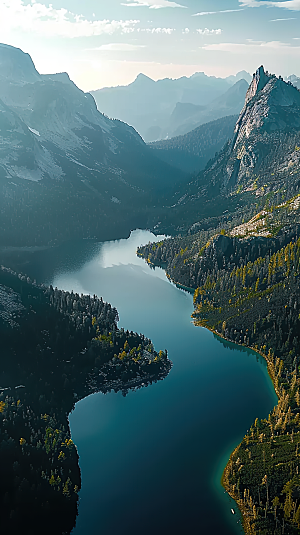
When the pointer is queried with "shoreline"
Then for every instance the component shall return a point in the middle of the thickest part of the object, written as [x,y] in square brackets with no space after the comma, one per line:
[243,510]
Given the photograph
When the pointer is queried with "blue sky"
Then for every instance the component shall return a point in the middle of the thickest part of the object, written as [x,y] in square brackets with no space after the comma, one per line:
[108,42]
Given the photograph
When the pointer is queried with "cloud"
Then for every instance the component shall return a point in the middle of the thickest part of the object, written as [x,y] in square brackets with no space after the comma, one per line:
[278,20]
[254,47]
[152,4]
[48,21]
[168,31]
[118,47]
[293,5]
[206,31]
[186,31]
[202,13]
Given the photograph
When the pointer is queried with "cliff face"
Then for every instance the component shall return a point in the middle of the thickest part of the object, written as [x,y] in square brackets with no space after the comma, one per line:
[270,105]
[262,159]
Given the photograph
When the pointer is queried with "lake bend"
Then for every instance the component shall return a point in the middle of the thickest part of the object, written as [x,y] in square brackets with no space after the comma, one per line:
[151,462]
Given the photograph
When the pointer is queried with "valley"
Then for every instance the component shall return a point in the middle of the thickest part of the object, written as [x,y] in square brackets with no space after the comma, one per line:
[223,193]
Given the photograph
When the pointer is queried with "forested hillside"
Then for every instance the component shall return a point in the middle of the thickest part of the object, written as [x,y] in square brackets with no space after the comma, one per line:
[192,151]
[56,348]
[247,291]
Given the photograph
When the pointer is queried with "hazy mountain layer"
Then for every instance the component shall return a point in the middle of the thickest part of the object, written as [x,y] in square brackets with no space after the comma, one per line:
[149,105]
[186,117]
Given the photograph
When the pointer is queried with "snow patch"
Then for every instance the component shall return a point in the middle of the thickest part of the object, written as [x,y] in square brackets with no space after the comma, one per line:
[115,200]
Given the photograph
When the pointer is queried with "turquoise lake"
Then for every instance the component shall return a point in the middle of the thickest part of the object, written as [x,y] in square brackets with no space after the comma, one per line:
[152,462]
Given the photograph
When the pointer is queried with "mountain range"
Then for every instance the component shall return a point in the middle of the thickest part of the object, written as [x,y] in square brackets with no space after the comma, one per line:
[68,171]
[186,117]
[65,168]
[165,108]
[262,160]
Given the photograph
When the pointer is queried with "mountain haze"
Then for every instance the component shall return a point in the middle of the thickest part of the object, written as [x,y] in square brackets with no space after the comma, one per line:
[148,105]
[186,117]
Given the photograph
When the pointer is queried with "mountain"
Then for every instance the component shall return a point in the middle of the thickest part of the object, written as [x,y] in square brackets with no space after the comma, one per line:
[260,163]
[66,169]
[185,117]
[147,105]
[242,75]
[193,150]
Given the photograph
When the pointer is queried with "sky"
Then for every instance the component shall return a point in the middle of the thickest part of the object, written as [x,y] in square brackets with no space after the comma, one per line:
[103,43]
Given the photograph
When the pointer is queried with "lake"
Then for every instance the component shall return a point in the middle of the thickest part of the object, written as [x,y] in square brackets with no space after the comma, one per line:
[152,462]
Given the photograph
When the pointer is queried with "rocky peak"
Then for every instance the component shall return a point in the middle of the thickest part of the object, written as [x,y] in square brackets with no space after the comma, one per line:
[259,81]
[142,80]
[271,105]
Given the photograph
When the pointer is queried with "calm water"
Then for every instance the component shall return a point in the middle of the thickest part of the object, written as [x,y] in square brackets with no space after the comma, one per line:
[152,462]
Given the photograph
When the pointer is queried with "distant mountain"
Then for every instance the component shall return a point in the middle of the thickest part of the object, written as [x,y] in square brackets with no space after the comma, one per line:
[65,169]
[295,80]
[148,105]
[242,75]
[193,150]
[186,117]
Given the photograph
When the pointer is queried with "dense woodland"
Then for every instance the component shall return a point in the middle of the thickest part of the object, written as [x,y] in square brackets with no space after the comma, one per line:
[56,347]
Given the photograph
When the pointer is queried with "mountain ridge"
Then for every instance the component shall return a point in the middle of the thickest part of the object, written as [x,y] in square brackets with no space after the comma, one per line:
[149,110]
[262,159]
[62,159]
[192,151]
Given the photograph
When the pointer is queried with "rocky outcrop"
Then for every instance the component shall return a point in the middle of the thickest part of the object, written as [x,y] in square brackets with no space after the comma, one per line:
[262,159]
[271,105]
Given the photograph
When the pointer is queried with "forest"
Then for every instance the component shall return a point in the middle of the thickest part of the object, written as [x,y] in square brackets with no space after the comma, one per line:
[57,347]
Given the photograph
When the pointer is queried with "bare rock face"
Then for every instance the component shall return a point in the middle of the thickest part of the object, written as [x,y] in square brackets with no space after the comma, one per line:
[265,135]
[16,66]
[271,105]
